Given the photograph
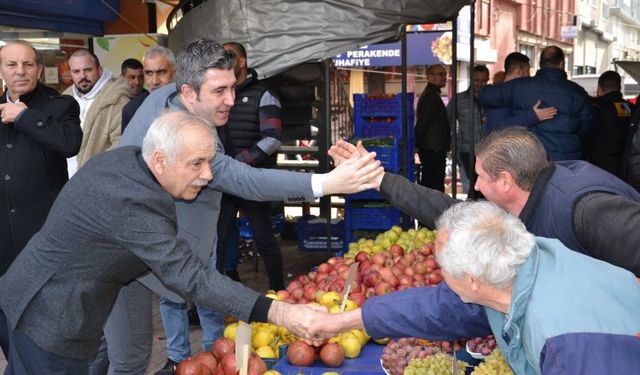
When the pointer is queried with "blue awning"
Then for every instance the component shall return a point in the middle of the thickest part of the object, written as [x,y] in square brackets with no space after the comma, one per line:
[75,16]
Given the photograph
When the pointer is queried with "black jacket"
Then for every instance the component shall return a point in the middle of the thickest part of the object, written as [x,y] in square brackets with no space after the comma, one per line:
[33,165]
[432,123]
[605,145]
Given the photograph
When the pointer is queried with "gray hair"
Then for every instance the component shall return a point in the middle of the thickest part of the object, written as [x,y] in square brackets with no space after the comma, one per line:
[165,134]
[516,151]
[484,241]
[154,51]
[23,43]
[198,57]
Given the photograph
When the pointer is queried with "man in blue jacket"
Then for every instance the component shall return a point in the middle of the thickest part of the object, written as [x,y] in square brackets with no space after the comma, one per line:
[561,135]
[552,310]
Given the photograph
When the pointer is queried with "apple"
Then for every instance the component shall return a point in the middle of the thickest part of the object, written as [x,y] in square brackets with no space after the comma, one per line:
[361,256]
[324,268]
[294,285]
[396,249]
[382,288]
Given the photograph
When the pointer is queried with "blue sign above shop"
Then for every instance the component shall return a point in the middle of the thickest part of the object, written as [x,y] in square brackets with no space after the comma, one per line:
[422,49]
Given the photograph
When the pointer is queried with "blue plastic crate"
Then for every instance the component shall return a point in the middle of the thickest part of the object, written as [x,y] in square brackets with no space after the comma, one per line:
[365,105]
[371,218]
[368,127]
[312,234]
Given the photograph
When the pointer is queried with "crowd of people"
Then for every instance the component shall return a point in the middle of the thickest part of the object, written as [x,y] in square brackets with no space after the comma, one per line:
[547,262]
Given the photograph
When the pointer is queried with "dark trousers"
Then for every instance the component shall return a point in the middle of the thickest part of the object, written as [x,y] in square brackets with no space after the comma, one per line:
[259,216]
[27,358]
[468,165]
[433,166]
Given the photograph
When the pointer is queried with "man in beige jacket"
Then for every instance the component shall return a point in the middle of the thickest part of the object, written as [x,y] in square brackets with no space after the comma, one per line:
[101,98]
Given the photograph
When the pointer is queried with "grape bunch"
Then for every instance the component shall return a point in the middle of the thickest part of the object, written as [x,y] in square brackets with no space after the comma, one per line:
[437,364]
[482,345]
[397,354]
[494,364]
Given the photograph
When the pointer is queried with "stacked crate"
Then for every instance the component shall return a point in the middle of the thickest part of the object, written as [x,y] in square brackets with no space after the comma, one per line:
[376,117]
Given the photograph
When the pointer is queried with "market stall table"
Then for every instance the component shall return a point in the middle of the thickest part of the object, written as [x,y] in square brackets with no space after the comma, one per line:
[367,363]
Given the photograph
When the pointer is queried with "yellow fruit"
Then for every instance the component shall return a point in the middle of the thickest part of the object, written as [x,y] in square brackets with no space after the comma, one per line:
[282,331]
[362,337]
[334,309]
[382,341]
[350,305]
[335,339]
[266,352]
[330,299]
[262,338]
[328,373]
[272,372]
[230,331]
[272,296]
[351,346]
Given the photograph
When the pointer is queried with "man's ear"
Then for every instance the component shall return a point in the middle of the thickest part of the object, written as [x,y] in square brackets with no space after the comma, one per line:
[188,94]
[158,162]
[506,180]
[474,282]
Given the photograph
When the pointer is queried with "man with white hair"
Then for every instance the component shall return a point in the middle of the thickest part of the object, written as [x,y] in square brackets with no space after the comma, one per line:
[552,310]
[116,220]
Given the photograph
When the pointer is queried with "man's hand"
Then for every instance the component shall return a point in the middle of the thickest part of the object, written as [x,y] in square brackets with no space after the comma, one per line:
[355,174]
[544,113]
[9,111]
[329,325]
[296,318]
[343,150]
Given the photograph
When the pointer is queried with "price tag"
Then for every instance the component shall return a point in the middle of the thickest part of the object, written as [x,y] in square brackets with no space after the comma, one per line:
[243,345]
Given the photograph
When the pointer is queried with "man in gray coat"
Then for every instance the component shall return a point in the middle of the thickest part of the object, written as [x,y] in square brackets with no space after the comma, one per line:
[205,86]
[116,220]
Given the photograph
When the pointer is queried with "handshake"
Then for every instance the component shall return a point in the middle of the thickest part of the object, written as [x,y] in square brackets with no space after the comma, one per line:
[312,322]
[356,170]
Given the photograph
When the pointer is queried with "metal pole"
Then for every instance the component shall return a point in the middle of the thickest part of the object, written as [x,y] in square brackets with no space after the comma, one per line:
[324,137]
[472,58]
[454,97]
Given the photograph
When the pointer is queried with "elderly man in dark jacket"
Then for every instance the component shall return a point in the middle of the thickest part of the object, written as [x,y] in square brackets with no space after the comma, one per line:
[39,130]
[561,135]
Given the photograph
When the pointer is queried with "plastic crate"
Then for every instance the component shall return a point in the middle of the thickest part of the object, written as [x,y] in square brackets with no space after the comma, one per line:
[351,235]
[371,218]
[312,234]
[365,105]
[374,127]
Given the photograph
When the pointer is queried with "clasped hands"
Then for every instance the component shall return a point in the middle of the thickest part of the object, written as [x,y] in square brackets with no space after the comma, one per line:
[356,169]
[310,322]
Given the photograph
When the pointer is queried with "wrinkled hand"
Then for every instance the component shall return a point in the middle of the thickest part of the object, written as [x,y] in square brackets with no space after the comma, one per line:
[9,111]
[358,173]
[544,113]
[329,325]
[296,318]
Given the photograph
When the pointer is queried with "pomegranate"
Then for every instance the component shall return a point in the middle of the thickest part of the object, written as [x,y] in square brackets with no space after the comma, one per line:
[207,359]
[300,354]
[191,367]
[223,346]
[332,354]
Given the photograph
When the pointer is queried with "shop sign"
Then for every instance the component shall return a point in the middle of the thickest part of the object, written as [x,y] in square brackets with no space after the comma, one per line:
[422,49]
[569,32]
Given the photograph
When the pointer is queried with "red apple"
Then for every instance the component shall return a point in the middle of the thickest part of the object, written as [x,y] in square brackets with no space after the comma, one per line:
[361,256]
[396,250]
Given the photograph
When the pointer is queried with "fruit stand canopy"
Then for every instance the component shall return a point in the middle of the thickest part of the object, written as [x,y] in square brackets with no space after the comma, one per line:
[280,34]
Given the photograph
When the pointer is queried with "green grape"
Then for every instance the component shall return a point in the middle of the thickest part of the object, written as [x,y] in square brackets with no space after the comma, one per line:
[437,364]
[494,364]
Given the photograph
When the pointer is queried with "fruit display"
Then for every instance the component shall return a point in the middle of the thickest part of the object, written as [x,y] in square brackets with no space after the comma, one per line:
[412,238]
[221,360]
[481,346]
[494,364]
[266,338]
[398,354]
[437,364]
